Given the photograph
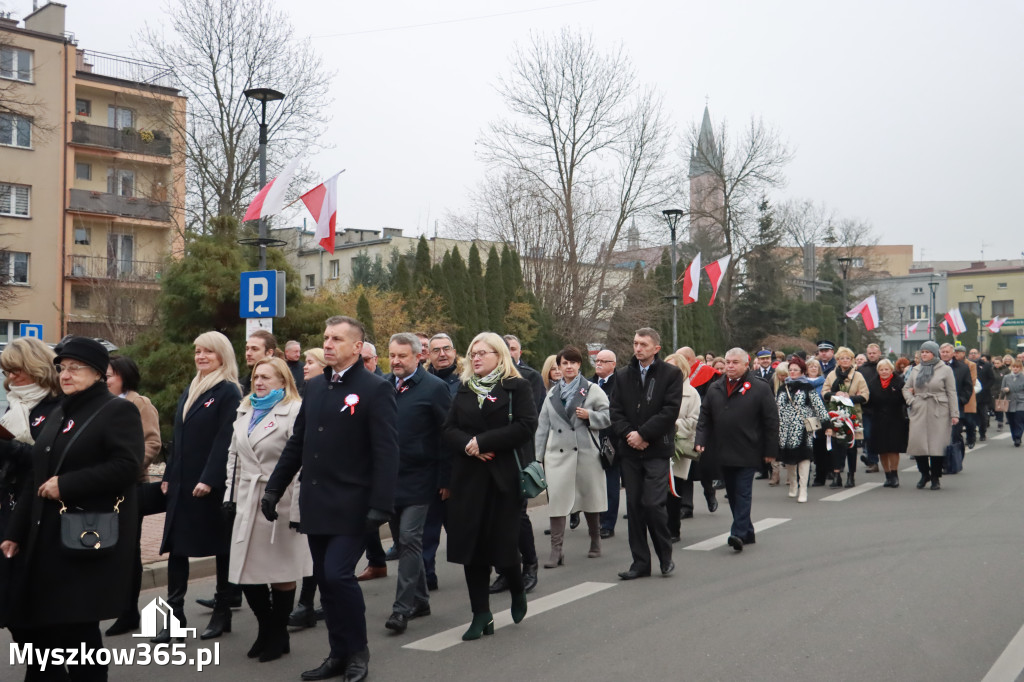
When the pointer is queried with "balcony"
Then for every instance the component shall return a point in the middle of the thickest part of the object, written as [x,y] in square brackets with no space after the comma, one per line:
[113,138]
[126,69]
[117,205]
[121,270]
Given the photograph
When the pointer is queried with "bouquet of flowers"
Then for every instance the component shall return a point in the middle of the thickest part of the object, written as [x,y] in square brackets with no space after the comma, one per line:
[844,422]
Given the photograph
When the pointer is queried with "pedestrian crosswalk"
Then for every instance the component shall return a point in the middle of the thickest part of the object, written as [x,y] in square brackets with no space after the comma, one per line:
[722,540]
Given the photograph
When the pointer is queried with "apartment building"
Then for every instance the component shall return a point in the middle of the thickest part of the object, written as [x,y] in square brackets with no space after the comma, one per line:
[92,180]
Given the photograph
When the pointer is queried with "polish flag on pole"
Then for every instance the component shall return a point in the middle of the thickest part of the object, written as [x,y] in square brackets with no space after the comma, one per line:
[910,329]
[270,200]
[322,202]
[956,321]
[716,273]
[944,326]
[868,311]
[995,324]
[691,281]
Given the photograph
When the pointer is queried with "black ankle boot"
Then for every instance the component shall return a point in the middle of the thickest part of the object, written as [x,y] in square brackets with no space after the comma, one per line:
[923,482]
[837,481]
[278,642]
[888,480]
[220,622]
[895,479]
[849,481]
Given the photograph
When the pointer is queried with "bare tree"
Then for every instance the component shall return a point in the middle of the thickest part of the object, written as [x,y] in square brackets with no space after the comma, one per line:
[582,153]
[18,98]
[219,49]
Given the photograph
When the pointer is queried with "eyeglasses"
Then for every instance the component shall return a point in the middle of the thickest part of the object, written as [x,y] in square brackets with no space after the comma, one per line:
[442,349]
[480,353]
[9,372]
[70,368]
[602,362]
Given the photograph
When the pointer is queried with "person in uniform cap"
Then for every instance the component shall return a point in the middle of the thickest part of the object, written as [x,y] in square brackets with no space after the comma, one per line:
[826,356]
[764,369]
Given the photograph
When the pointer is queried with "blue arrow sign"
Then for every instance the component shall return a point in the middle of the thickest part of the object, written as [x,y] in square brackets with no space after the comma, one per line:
[258,296]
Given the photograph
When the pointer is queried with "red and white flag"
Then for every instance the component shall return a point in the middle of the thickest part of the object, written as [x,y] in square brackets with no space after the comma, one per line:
[995,324]
[956,321]
[909,329]
[322,202]
[716,273]
[944,326]
[868,311]
[691,281]
[270,200]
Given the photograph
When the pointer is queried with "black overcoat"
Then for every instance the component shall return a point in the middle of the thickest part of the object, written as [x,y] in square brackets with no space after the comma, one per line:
[63,586]
[484,507]
[889,424]
[424,463]
[741,429]
[348,452]
[650,408]
[195,526]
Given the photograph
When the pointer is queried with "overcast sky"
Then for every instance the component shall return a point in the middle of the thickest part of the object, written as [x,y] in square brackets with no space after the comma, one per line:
[907,115]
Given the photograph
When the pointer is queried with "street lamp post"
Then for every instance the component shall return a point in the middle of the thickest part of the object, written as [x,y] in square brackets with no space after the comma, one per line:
[931,320]
[901,309]
[981,329]
[844,263]
[672,215]
[263,96]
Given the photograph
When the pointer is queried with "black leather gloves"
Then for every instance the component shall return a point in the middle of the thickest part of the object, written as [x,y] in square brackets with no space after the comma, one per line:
[268,505]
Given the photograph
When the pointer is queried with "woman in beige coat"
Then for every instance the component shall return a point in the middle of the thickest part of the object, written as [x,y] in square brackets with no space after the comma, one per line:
[686,431]
[930,393]
[845,382]
[571,418]
[263,552]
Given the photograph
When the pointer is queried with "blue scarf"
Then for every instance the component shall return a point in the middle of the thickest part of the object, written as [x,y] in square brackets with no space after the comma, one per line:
[268,401]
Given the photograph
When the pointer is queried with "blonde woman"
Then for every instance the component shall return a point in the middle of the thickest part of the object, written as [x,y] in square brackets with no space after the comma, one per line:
[778,380]
[845,382]
[315,364]
[263,552]
[686,429]
[551,373]
[492,415]
[195,478]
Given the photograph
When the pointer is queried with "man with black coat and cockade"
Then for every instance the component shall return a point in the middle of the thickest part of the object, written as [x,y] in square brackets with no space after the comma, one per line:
[346,443]
[964,387]
[740,420]
[604,376]
[644,409]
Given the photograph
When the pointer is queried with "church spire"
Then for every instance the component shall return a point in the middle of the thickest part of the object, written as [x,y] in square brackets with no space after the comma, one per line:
[706,149]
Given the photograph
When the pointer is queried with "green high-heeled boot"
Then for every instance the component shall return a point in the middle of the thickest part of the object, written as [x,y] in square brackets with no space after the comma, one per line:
[518,607]
[483,624]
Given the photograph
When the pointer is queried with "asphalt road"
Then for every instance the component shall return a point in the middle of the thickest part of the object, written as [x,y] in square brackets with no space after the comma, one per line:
[885,584]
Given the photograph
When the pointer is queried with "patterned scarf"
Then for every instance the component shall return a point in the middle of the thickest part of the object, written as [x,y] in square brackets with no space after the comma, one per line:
[482,385]
[565,390]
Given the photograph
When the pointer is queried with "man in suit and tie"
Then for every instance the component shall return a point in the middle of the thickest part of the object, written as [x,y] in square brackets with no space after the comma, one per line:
[346,443]
[604,376]
[423,471]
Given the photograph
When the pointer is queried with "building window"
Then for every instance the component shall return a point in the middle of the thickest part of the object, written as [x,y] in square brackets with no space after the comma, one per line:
[857,262]
[311,281]
[9,329]
[969,308]
[606,301]
[16,64]
[81,298]
[120,255]
[15,131]
[14,267]
[83,107]
[83,171]
[1002,308]
[335,269]
[83,235]
[919,312]
[14,200]
[968,287]
[918,290]
[120,118]
[1000,285]
[121,182]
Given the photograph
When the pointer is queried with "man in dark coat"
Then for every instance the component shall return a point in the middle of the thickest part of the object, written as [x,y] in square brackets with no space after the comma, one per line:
[826,356]
[423,471]
[644,409]
[869,370]
[293,357]
[987,378]
[764,370]
[740,420]
[964,387]
[444,360]
[822,457]
[346,443]
[260,344]
[604,376]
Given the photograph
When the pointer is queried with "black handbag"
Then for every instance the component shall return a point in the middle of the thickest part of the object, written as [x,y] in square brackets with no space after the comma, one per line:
[81,530]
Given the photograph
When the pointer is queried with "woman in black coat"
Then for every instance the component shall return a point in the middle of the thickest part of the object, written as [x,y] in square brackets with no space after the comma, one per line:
[493,413]
[87,457]
[195,478]
[889,425]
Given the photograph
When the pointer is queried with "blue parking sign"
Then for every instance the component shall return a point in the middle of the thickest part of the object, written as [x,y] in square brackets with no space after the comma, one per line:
[34,331]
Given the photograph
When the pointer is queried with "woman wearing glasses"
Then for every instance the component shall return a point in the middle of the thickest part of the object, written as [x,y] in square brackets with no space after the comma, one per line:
[195,477]
[87,459]
[493,414]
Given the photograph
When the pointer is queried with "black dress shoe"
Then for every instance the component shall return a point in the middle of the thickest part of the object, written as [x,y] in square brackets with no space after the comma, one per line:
[736,543]
[633,574]
[421,609]
[749,540]
[358,667]
[499,585]
[607,533]
[529,577]
[234,601]
[818,482]
[935,484]
[686,514]
[302,616]
[320,613]
[398,622]
[331,667]
[431,583]
[574,521]
[121,626]
[712,502]
[674,539]
[668,567]
[719,484]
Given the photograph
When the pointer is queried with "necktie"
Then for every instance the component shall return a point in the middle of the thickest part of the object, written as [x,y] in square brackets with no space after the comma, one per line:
[335,378]
[398,386]
[643,375]
[600,382]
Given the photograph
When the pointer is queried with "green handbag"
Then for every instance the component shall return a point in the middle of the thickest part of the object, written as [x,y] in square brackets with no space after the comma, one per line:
[531,477]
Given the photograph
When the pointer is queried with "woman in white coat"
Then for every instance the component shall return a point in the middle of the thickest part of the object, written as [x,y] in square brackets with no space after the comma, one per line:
[571,418]
[263,552]
[680,497]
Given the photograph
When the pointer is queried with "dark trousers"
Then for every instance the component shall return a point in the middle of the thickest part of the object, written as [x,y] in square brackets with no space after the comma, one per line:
[527,546]
[131,610]
[872,457]
[970,422]
[177,582]
[843,455]
[63,636]
[822,458]
[958,429]
[411,588]
[646,482]
[436,519]
[613,479]
[739,486]
[375,550]
[685,489]
[982,415]
[334,567]
[930,467]
[1016,420]
[308,592]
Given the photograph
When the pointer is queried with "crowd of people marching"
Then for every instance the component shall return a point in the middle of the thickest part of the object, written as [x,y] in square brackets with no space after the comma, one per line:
[286,473]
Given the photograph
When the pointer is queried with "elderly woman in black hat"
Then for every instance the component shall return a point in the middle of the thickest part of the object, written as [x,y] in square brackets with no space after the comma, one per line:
[86,463]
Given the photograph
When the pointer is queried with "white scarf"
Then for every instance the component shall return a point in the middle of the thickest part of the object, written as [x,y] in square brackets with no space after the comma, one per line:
[201,385]
[22,400]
